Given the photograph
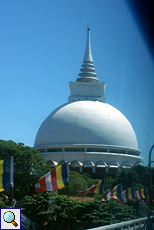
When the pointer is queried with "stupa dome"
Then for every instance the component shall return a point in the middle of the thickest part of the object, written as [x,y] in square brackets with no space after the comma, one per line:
[86,122]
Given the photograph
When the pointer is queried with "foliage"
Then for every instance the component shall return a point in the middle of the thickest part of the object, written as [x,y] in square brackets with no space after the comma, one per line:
[122,212]
[143,173]
[60,211]
[136,176]
[76,183]
[29,166]
[128,178]
[53,209]
[142,205]
[109,182]
[36,204]
[88,179]
[2,204]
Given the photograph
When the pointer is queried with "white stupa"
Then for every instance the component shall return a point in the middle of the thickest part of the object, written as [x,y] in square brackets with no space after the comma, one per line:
[86,131]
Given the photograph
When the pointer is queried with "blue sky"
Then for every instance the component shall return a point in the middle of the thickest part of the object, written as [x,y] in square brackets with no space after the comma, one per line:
[42,45]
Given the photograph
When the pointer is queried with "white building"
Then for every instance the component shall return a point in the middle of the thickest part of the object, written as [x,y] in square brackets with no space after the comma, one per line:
[86,131]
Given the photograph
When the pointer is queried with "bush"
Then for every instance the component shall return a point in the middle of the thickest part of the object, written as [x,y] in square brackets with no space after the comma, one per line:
[59,212]
[2,204]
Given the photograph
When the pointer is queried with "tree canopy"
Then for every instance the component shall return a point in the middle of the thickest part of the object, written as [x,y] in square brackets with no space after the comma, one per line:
[29,166]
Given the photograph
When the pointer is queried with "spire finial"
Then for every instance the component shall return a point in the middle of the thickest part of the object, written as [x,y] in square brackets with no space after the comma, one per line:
[88,55]
[87,73]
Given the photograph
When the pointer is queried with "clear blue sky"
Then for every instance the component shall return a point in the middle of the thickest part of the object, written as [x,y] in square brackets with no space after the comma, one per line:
[42,45]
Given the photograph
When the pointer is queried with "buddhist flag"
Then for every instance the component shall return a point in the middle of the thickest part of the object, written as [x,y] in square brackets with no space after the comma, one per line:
[56,179]
[128,194]
[140,194]
[6,174]
[100,187]
[113,193]
[104,197]
[97,188]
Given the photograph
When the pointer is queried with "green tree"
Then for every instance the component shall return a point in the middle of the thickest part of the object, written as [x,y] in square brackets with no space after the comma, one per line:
[29,166]
[136,176]
[128,178]
[76,183]
[143,173]
[88,179]
[109,182]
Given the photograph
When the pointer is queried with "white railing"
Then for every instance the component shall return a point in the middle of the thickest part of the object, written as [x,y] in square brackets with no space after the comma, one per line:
[140,224]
